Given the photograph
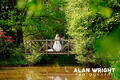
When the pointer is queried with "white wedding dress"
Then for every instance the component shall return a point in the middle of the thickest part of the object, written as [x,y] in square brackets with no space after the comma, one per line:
[56,46]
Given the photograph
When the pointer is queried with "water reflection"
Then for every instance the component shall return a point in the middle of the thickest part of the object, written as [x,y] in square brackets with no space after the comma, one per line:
[48,73]
[57,78]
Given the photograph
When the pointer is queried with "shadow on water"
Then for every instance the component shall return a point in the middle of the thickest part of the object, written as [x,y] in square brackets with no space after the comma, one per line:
[63,60]
[6,68]
[58,60]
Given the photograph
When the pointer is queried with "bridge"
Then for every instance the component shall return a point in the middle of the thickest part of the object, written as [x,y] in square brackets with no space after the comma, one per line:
[42,46]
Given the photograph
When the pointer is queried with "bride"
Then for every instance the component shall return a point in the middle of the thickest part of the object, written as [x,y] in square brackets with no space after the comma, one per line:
[56,46]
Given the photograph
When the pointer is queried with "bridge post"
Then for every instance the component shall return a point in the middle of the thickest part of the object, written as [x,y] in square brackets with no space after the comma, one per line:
[25,47]
[32,50]
[46,46]
[68,47]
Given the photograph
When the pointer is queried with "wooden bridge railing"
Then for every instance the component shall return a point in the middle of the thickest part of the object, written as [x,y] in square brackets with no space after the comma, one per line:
[43,46]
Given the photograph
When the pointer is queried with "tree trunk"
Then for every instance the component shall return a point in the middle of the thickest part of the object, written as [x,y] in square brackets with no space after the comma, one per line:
[19,36]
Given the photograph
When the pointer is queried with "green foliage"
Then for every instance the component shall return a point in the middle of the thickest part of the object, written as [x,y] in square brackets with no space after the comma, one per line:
[106,47]
[109,47]
[33,19]
[79,29]
[6,44]
[17,57]
[33,58]
[101,6]
[43,19]
[34,7]
[2,22]
[116,74]
[48,23]
[21,4]
[89,20]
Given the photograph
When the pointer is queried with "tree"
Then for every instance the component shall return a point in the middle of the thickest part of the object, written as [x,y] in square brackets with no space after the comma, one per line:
[89,20]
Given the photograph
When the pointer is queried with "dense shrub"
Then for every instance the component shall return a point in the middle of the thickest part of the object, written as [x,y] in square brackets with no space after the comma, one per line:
[6,44]
[9,53]
[33,58]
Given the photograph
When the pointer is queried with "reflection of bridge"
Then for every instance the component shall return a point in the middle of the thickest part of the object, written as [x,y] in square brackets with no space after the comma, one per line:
[42,46]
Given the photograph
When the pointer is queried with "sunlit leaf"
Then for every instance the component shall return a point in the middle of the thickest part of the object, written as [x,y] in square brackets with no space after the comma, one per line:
[21,4]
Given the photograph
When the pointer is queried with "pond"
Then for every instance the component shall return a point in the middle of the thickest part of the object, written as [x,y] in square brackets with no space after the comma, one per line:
[49,73]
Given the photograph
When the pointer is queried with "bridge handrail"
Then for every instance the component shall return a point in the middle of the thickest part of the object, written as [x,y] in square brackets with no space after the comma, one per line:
[47,43]
[50,40]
